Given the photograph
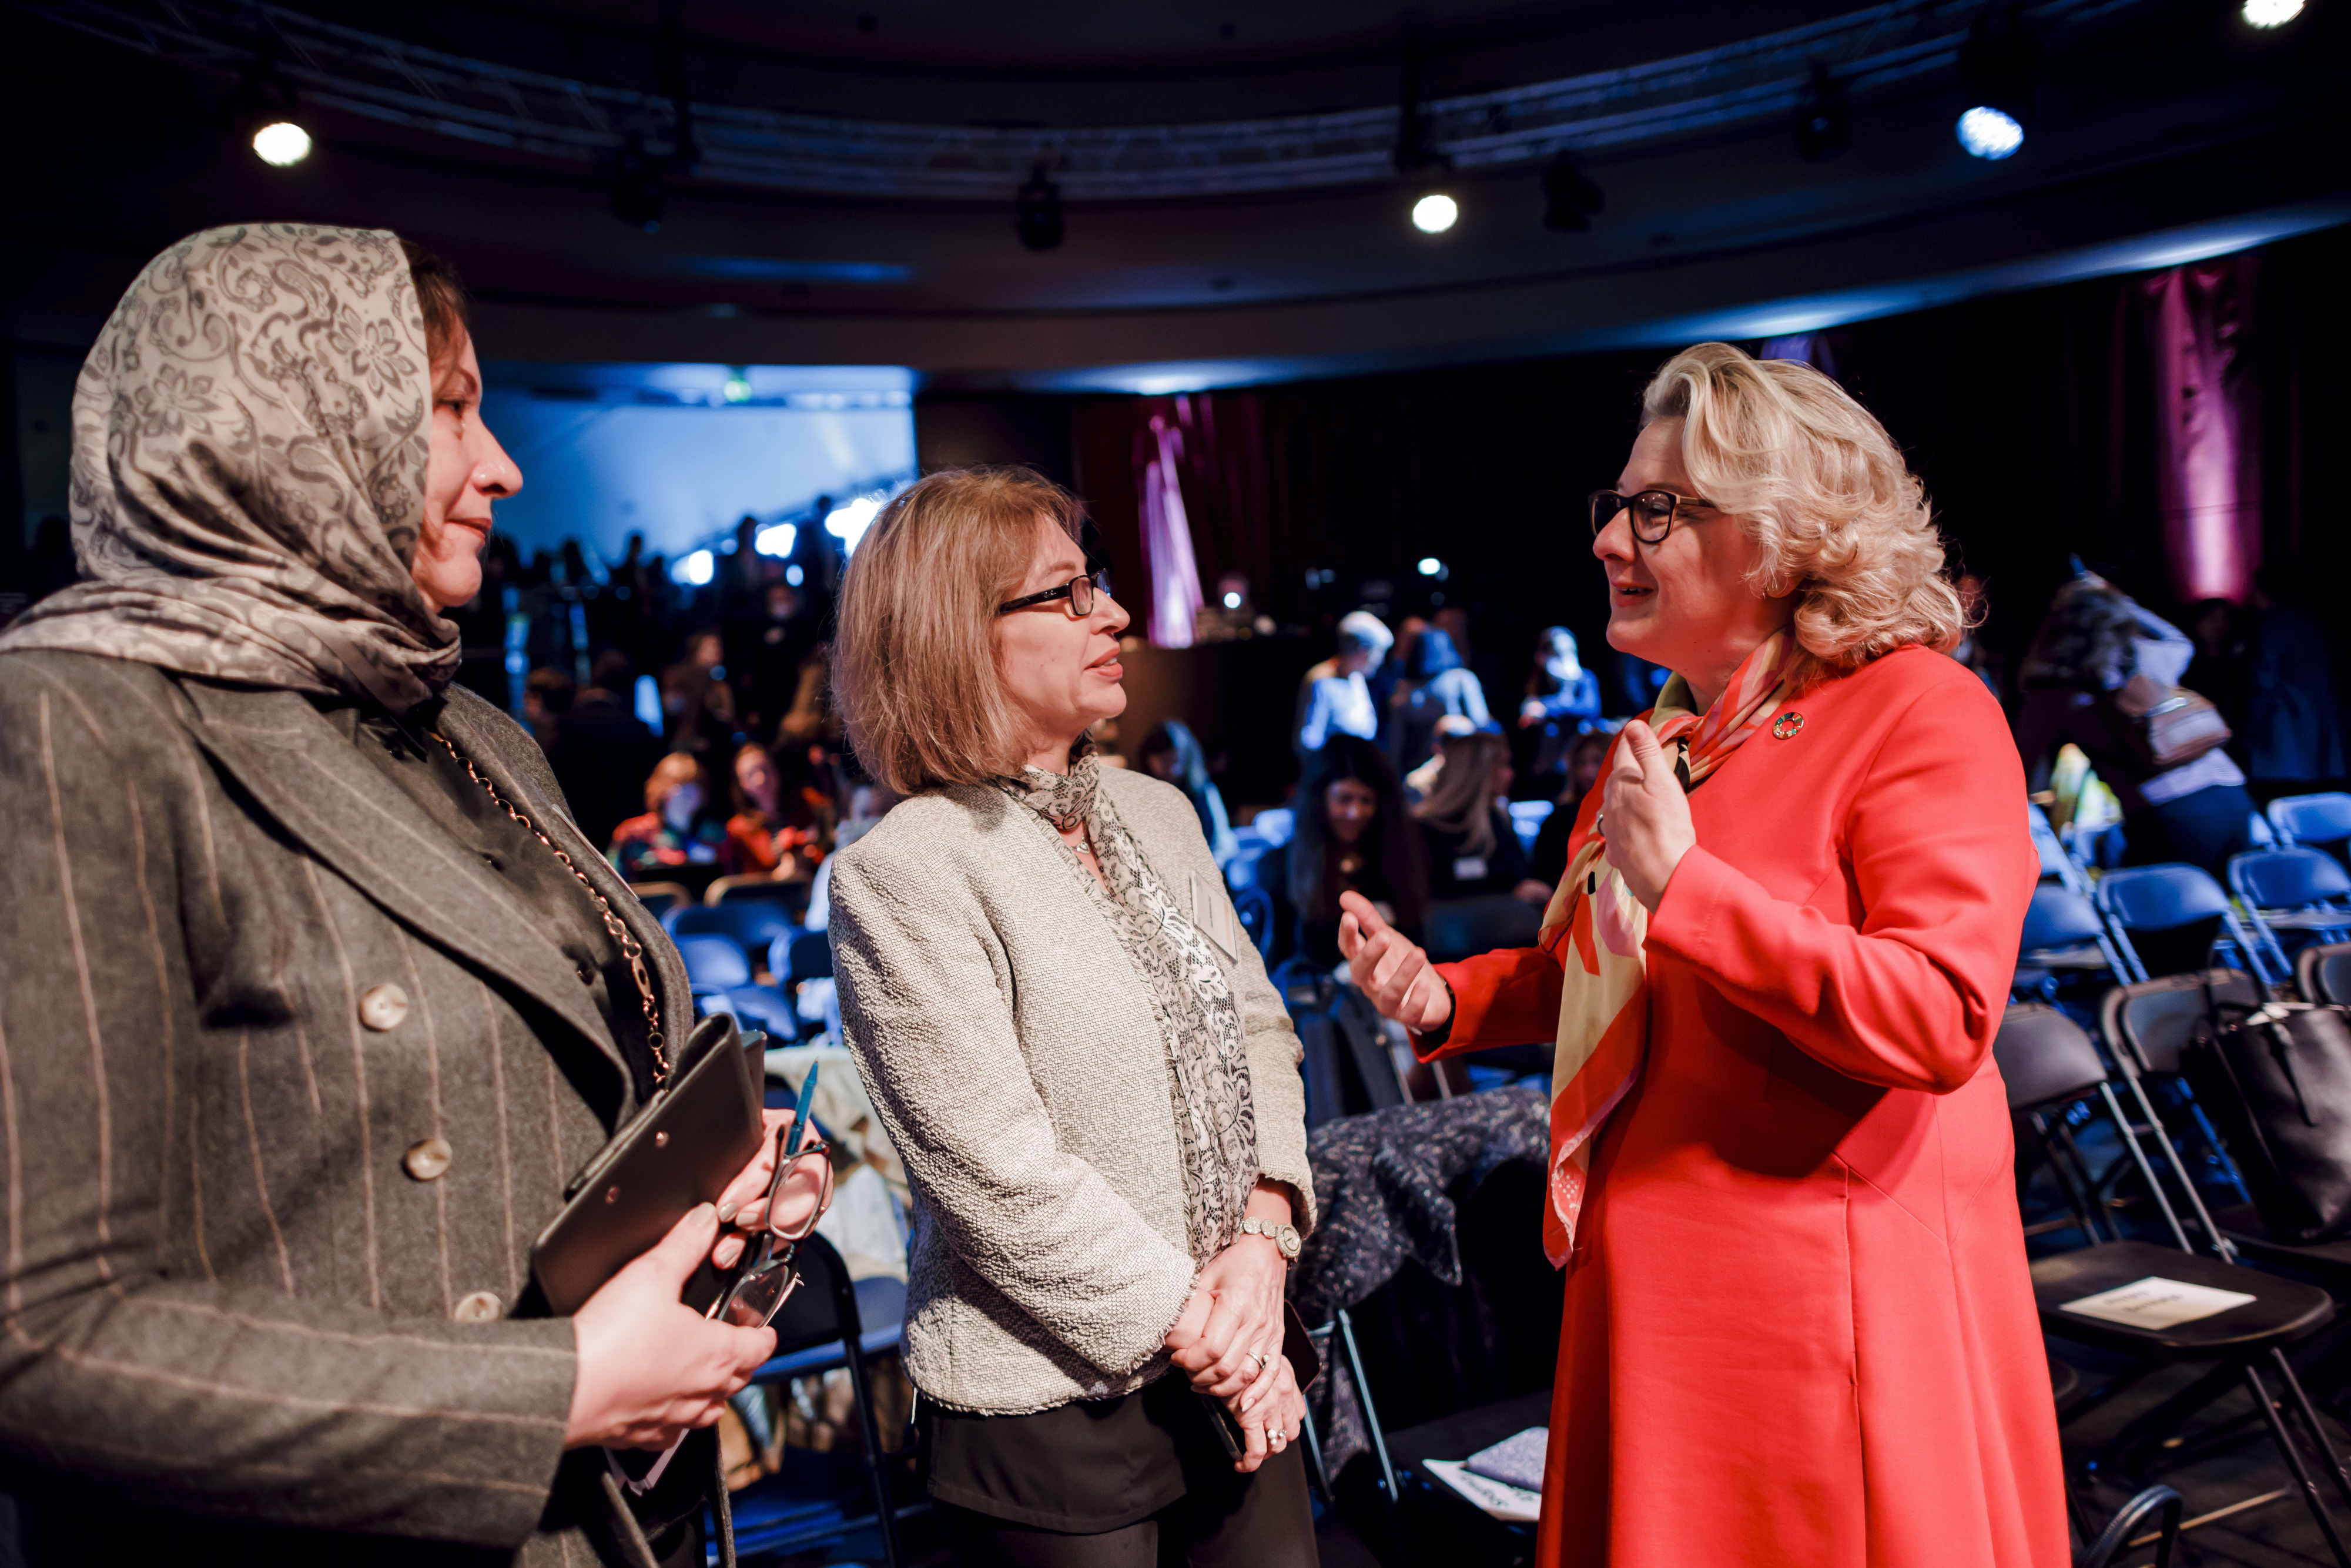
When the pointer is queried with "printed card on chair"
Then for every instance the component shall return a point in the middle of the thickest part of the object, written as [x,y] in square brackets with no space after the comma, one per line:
[2155,1303]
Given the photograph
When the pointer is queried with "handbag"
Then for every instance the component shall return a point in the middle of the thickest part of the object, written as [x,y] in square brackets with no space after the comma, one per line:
[2276,1081]
[2168,726]
[693,1137]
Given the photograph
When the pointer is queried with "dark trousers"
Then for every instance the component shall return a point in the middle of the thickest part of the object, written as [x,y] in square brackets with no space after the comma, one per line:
[1222,1521]
[2203,829]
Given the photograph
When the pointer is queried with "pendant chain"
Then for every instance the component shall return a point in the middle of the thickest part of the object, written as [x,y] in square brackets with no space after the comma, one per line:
[631,949]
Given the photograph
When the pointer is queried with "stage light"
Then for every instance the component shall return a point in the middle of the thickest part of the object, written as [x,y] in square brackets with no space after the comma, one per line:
[1989,132]
[2272,12]
[282,143]
[794,575]
[1431,567]
[1436,213]
[775,539]
[1824,118]
[1569,199]
[848,523]
[1232,602]
[695,568]
[1038,220]
[737,388]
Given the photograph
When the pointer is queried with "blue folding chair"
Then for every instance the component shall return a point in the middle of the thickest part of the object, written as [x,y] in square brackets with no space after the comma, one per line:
[720,976]
[2063,932]
[2171,919]
[1255,907]
[2058,862]
[752,925]
[2299,890]
[2321,821]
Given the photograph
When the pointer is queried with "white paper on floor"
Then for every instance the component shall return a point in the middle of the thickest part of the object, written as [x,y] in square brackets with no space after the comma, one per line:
[1514,1504]
[2155,1303]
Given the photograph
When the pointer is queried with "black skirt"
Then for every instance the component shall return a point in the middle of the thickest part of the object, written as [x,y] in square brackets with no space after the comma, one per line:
[1082,1468]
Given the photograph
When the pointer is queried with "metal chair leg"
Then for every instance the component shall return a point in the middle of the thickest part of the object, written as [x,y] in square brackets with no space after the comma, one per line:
[2310,1420]
[2293,1461]
[2115,1539]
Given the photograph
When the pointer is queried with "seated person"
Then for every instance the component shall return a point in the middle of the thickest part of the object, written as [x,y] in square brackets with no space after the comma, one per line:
[1585,760]
[1353,835]
[1333,697]
[773,831]
[1465,825]
[1563,700]
[677,829]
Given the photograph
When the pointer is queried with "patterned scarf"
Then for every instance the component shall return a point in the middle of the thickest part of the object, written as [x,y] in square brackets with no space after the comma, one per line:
[249,444]
[1199,1026]
[1597,929]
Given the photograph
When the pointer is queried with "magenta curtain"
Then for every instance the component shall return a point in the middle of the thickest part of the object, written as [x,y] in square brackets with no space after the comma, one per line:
[1174,592]
[2207,428]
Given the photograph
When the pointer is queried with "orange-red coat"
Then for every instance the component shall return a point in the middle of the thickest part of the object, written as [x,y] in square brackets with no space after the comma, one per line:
[1799,1328]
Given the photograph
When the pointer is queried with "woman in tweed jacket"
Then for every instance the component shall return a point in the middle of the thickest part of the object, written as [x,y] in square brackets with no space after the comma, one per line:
[1076,1050]
[303,1029]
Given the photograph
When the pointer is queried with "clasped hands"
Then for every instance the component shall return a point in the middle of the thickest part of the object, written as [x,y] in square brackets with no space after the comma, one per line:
[1227,1338]
[651,1368]
[1644,814]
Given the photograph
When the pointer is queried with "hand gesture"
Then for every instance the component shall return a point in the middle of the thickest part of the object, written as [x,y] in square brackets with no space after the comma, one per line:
[744,1203]
[651,1368]
[1646,816]
[1229,1335]
[1273,1423]
[1389,970]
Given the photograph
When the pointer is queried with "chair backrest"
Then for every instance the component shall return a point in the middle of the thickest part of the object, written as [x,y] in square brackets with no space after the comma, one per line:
[2311,818]
[2044,1057]
[712,961]
[1277,824]
[661,897]
[792,896]
[1465,927]
[2147,1023]
[2323,974]
[2288,878]
[2054,862]
[2059,918]
[751,924]
[799,955]
[2161,897]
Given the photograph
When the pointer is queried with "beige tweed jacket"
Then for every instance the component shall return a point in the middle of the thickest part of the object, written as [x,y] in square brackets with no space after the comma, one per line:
[1009,1048]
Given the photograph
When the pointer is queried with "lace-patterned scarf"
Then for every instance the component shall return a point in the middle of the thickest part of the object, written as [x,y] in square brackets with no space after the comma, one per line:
[1216,1122]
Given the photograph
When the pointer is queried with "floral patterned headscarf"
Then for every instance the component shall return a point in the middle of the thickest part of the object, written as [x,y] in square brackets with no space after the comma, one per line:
[249,443]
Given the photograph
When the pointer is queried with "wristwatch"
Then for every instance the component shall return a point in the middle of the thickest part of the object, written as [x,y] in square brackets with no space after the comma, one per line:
[1284,1238]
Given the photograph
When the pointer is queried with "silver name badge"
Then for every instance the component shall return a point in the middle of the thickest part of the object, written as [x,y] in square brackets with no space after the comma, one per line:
[1213,917]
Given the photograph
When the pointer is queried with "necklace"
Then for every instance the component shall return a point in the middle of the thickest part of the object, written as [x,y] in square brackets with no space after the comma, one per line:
[631,949]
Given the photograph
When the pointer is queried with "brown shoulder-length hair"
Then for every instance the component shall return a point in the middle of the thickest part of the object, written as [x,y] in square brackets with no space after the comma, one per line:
[915,670]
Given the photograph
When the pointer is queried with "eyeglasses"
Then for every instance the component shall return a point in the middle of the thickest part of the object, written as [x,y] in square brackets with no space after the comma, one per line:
[1079,590]
[1653,512]
[767,1279]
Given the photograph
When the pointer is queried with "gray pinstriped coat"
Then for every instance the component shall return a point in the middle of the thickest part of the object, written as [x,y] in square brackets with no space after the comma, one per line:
[226,1293]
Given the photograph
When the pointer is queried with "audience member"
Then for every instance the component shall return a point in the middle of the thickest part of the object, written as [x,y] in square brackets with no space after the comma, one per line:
[678,827]
[1562,698]
[547,696]
[1353,835]
[813,719]
[774,646]
[1472,849]
[1333,697]
[2097,655]
[601,749]
[1172,753]
[1586,756]
[2294,731]
[1435,685]
[696,701]
[771,834]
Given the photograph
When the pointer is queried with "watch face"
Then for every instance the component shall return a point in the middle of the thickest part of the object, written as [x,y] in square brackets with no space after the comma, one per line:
[1287,1239]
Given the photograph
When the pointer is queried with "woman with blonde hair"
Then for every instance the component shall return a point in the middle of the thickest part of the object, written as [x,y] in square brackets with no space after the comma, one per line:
[1473,849]
[1799,1328]
[1076,1050]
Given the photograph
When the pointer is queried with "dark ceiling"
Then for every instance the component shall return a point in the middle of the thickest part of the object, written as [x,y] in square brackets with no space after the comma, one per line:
[2151,118]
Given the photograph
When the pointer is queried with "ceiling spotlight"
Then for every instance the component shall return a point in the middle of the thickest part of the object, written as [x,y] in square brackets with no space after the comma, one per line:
[282,143]
[1824,118]
[2272,12]
[1038,221]
[1569,199]
[1990,133]
[1436,213]
[1430,566]
[637,192]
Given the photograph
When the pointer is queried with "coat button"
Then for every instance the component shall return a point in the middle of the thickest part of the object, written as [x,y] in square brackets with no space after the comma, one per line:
[481,1307]
[587,974]
[384,1006]
[427,1160]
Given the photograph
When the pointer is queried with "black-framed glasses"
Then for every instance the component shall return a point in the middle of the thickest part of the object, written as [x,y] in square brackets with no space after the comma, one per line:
[1081,591]
[767,1279]
[1653,512]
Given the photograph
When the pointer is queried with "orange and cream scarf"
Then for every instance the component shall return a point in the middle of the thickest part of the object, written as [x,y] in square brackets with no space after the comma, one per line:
[1597,930]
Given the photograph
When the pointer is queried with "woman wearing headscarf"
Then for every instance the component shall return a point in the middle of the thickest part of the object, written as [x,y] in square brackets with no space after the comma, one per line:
[315,1000]
[1799,1328]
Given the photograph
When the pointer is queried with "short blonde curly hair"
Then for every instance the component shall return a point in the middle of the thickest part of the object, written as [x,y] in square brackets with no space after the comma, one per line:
[1814,480]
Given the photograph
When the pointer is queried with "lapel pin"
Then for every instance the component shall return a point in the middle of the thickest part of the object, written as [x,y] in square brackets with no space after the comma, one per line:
[1786,726]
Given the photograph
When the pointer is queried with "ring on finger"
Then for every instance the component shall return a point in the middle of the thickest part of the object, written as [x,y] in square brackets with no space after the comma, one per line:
[1263,1361]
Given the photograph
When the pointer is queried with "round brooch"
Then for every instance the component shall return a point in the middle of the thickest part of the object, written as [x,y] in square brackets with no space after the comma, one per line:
[1786,726]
